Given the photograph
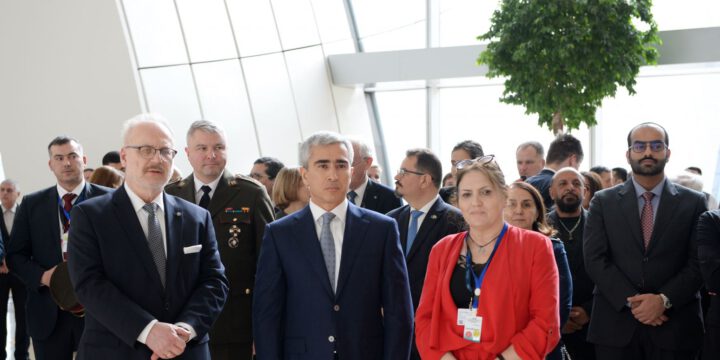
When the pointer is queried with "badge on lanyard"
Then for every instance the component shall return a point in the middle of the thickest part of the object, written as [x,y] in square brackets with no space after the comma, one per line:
[463,315]
[473,329]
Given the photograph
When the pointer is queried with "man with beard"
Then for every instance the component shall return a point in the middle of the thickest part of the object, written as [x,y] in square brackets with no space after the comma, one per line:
[641,252]
[425,220]
[568,218]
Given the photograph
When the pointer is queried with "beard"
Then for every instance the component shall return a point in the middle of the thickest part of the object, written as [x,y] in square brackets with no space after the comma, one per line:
[568,203]
[655,169]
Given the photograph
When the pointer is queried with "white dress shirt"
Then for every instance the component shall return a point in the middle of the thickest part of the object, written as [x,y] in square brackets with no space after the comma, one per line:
[198,184]
[337,228]
[9,217]
[360,191]
[425,209]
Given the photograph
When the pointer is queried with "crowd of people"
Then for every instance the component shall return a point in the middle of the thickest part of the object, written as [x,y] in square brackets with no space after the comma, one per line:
[323,261]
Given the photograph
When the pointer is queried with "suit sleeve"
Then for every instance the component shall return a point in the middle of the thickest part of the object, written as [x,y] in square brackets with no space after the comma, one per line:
[396,299]
[708,236]
[110,306]
[542,332]
[262,216]
[208,298]
[611,282]
[19,249]
[424,313]
[269,300]
[566,288]
[682,288]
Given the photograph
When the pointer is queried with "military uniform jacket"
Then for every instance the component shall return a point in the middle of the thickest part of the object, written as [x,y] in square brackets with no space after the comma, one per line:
[240,209]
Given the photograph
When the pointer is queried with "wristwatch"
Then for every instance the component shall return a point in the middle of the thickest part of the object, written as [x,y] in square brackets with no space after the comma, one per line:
[666,302]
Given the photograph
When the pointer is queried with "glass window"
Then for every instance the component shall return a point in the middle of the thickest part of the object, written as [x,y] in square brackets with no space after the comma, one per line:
[331,20]
[390,25]
[689,14]
[254,26]
[462,21]
[295,23]
[155,32]
[207,29]
[402,117]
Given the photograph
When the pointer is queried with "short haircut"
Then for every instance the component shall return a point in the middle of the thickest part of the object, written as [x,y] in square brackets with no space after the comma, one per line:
[111,157]
[323,138]
[473,148]
[694,169]
[689,180]
[88,169]
[540,223]
[599,169]
[62,140]
[204,126]
[648,124]
[273,166]
[427,162]
[286,187]
[563,147]
[151,118]
[446,178]
[539,149]
[593,183]
[13,183]
[620,173]
[363,148]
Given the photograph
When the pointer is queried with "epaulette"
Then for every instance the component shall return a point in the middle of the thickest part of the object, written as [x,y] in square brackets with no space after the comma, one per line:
[240,178]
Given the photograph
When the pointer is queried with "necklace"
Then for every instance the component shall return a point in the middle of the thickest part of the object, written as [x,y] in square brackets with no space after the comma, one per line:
[570,231]
[482,246]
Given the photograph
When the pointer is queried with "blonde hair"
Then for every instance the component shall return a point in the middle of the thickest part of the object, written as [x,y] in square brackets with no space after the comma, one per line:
[285,190]
[107,176]
[490,169]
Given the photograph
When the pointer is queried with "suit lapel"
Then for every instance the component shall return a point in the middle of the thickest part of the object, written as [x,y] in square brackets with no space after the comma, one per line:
[668,203]
[53,205]
[222,194]
[403,223]
[174,239]
[309,244]
[436,212]
[128,219]
[369,197]
[630,211]
[355,228]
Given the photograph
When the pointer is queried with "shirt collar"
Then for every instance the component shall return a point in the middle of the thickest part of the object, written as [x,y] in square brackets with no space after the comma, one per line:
[138,203]
[657,190]
[426,208]
[12,209]
[213,184]
[340,211]
[77,190]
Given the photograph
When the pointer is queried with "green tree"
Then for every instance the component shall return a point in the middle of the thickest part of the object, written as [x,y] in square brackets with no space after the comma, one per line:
[562,57]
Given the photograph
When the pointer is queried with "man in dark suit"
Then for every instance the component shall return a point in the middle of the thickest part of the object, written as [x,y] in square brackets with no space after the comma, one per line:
[331,279]
[564,151]
[364,192]
[38,243]
[641,252]
[240,209]
[9,282]
[143,263]
[425,220]
[708,235]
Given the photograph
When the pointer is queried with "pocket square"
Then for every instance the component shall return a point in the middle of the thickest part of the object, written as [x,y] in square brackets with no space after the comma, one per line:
[192,249]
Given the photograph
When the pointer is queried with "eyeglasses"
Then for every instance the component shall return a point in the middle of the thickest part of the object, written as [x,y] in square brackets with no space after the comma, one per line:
[148,152]
[481,160]
[655,146]
[403,171]
[258,176]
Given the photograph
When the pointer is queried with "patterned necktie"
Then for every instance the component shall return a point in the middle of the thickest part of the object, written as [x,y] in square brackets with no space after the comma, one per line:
[327,244]
[205,199]
[412,231]
[67,205]
[155,240]
[351,196]
[646,218]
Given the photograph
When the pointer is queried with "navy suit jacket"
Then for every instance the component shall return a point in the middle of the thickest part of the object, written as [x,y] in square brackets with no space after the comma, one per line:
[34,247]
[379,198]
[440,221]
[618,263]
[297,316]
[115,278]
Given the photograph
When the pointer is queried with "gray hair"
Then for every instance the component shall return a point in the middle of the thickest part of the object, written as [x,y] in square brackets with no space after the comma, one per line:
[11,182]
[364,149]
[533,144]
[152,118]
[204,126]
[323,138]
[689,180]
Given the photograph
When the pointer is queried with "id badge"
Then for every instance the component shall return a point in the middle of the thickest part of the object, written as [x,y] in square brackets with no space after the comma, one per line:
[473,329]
[64,241]
[463,315]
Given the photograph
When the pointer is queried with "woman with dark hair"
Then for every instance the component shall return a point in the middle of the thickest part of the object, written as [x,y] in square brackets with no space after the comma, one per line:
[107,176]
[525,209]
[593,184]
[492,291]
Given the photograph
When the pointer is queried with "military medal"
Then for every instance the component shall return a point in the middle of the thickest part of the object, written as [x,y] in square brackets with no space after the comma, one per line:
[233,242]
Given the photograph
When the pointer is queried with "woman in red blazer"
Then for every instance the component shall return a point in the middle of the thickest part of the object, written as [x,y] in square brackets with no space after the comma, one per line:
[511,294]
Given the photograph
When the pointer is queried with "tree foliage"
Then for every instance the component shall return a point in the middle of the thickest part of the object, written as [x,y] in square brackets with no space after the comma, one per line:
[562,57]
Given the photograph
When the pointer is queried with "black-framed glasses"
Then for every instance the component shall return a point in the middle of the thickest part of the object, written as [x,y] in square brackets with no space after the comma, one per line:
[655,146]
[403,171]
[481,160]
[148,152]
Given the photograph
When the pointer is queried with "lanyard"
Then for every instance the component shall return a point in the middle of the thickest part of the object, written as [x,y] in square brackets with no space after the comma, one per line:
[479,278]
[62,207]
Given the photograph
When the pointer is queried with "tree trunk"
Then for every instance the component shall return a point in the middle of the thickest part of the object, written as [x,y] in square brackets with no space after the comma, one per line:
[557,123]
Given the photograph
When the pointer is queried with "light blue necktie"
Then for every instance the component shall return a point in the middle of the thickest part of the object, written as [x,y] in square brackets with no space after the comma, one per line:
[327,244]
[412,232]
[155,240]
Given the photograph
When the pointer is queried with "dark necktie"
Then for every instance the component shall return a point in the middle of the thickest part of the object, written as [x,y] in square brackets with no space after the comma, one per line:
[646,218]
[155,240]
[412,231]
[67,205]
[351,196]
[205,199]
[327,244]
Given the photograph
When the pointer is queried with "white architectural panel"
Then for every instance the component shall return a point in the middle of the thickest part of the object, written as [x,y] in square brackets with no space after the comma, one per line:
[155,30]
[207,29]
[296,23]
[254,25]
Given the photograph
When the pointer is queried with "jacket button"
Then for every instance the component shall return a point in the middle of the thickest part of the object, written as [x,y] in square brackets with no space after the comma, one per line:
[336,307]
[331,338]
[247,291]
[645,259]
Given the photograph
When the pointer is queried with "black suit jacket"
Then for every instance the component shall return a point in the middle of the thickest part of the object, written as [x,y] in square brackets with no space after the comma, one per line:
[440,221]
[620,267]
[241,202]
[115,277]
[4,237]
[379,198]
[34,247]
[542,182]
[709,254]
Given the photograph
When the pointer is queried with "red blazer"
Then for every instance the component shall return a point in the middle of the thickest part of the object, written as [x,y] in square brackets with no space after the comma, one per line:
[518,303]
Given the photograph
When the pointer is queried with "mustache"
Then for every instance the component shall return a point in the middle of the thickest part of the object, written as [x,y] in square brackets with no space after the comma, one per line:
[648,158]
[154,168]
[397,184]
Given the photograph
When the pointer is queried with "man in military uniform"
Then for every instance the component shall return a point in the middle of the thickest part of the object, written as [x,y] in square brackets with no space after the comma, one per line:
[240,208]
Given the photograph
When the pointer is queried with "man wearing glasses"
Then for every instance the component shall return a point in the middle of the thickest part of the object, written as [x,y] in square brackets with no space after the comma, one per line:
[640,251]
[264,170]
[143,263]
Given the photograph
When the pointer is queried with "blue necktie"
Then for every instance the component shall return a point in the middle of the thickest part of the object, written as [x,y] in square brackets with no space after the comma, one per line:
[327,244]
[155,240]
[412,232]
[351,196]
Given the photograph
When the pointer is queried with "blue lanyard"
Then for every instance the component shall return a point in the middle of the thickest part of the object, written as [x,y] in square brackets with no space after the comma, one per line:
[62,207]
[469,272]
